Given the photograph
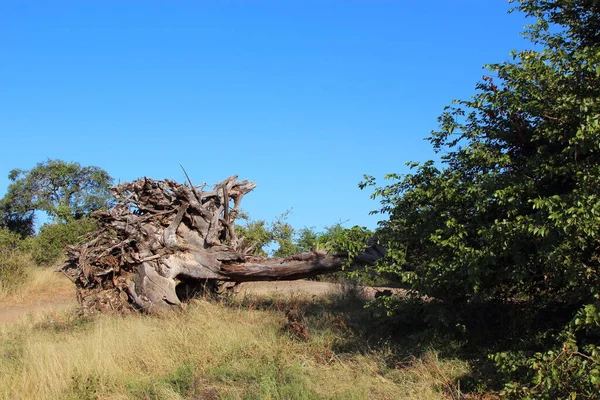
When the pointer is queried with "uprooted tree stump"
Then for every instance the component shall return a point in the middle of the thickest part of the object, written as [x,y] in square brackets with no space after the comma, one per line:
[161,234]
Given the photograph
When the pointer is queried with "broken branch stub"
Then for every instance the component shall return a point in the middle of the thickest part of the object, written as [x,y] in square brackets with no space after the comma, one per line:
[161,233]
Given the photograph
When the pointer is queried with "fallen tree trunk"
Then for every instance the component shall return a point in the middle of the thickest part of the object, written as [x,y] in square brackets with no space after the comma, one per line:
[162,234]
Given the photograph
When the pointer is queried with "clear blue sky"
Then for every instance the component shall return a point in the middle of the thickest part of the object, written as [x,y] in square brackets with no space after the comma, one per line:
[302,97]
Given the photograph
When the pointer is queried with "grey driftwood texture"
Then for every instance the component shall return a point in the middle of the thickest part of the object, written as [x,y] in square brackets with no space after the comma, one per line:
[161,234]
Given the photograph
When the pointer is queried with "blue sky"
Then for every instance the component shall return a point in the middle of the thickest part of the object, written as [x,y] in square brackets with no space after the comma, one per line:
[301,97]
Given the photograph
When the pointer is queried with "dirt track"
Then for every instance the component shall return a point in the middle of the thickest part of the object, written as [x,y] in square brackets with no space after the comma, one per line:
[13,313]
[57,295]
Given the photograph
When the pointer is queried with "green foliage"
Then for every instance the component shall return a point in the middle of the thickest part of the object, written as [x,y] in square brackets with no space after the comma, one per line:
[287,241]
[284,234]
[63,190]
[513,208]
[306,239]
[50,243]
[17,254]
[19,223]
[256,234]
[349,242]
[569,370]
[13,260]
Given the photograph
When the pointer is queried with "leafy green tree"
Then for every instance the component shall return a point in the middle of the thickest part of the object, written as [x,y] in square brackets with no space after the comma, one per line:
[513,208]
[306,239]
[278,238]
[63,190]
[256,235]
[349,241]
[284,235]
[21,224]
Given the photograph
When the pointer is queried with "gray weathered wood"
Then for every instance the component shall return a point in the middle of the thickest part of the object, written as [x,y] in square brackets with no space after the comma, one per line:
[161,233]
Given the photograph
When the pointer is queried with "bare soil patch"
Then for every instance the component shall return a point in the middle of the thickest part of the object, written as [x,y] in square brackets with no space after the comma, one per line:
[54,293]
[307,288]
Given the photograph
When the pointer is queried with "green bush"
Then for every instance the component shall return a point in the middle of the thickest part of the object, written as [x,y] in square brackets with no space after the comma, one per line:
[50,243]
[47,247]
[570,369]
[510,212]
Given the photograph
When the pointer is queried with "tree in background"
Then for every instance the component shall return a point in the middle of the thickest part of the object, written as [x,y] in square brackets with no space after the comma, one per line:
[67,192]
[280,239]
[284,234]
[279,234]
[63,190]
[306,239]
[513,209]
[256,234]
[16,222]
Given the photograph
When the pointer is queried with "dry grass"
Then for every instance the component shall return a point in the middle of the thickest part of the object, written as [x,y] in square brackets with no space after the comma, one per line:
[209,351]
[14,267]
[41,284]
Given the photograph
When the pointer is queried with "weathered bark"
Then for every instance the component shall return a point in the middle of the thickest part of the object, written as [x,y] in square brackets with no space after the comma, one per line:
[162,233]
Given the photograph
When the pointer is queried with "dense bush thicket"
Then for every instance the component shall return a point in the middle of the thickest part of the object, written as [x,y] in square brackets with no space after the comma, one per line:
[512,212]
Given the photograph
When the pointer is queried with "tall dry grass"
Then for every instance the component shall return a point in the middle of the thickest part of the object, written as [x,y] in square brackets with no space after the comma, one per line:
[210,351]
[38,284]
[14,267]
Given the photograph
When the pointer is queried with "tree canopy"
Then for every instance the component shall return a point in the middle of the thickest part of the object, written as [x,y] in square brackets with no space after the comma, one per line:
[64,190]
[512,209]
[279,235]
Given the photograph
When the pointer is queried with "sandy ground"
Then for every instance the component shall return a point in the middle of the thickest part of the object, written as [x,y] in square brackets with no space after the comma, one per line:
[60,295]
[13,313]
[304,288]
[58,298]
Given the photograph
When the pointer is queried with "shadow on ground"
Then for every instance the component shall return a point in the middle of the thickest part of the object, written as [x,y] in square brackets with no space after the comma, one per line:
[407,328]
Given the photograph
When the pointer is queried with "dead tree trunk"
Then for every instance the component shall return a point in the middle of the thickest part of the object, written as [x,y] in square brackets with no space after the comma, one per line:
[162,233]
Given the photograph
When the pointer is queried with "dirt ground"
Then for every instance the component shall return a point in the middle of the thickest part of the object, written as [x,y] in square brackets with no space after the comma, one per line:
[304,288]
[13,313]
[57,295]
[60,295]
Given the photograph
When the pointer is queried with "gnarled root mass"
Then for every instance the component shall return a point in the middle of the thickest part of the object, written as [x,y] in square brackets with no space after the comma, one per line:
[161,234]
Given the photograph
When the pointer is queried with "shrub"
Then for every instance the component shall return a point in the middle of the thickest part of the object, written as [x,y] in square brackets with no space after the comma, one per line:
[49,245]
